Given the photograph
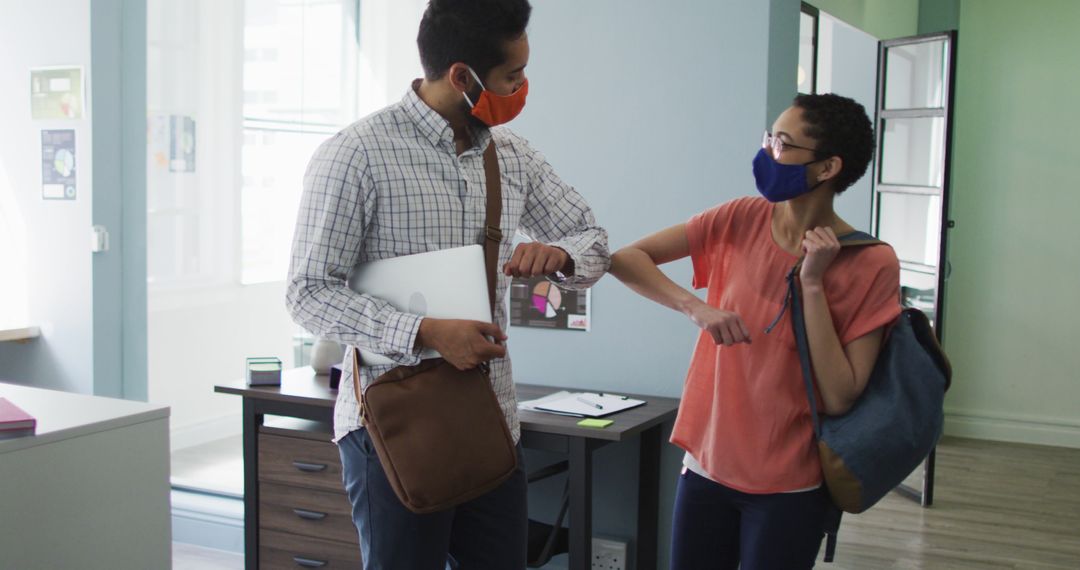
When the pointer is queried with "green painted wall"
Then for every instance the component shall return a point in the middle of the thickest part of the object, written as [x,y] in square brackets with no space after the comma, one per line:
[883,19]
[938,15]
[1013,314]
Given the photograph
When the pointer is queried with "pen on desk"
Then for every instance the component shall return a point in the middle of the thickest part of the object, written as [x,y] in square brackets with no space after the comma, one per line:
[594,404]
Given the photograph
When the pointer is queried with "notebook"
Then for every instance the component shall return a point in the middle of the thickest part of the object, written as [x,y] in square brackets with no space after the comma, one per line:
[14,421]
[442,284]
[581,404]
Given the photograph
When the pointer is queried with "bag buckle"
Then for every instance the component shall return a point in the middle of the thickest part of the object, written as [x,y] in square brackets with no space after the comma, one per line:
[493,233]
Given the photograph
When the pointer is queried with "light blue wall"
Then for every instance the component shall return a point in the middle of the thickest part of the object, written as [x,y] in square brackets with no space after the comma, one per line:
[654,113]
[118,47]
[54,233]
[91,307]
[783,63]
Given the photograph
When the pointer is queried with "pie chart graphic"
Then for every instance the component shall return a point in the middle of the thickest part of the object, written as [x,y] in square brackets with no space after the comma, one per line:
[546,299]
[64,162]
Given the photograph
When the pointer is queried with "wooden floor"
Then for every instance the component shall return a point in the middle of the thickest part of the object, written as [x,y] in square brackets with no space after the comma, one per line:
[189,557]
[215,467]
[997,506]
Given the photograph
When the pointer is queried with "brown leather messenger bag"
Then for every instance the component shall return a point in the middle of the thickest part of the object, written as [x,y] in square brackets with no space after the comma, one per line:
[440,432]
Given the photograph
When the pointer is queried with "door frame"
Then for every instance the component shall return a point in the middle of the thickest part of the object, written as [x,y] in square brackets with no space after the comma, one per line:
[118,111]
[925,494]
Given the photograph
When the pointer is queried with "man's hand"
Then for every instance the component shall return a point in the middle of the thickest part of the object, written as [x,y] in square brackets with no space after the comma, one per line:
[535,258]
[463,344]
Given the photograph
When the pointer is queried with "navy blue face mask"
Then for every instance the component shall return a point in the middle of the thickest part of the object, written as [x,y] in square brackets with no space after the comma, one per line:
[779,182]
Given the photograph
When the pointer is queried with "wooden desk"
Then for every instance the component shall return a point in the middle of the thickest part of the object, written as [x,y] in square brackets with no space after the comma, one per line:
[307,396]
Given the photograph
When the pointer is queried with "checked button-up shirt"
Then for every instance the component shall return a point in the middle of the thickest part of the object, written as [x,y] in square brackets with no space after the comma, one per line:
[392,184]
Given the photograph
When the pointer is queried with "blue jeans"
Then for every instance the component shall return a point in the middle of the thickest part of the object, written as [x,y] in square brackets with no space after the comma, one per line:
[716,527]
[488,532]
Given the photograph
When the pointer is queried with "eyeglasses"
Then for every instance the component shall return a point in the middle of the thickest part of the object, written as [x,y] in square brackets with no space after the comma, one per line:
[776,145]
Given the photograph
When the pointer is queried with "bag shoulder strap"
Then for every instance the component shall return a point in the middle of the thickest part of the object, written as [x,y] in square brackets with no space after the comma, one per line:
[492,240]
[492,231]
[794,299]
[858,238]
[798,326]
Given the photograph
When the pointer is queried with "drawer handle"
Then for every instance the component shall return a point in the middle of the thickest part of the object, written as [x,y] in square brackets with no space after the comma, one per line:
[308,562]
[309,467]
[309,515]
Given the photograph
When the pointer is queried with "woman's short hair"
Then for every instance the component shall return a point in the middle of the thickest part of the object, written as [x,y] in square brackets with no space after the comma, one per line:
[841,128]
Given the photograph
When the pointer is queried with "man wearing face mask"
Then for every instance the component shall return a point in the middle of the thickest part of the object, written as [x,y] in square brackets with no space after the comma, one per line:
[410,179]
[750,494]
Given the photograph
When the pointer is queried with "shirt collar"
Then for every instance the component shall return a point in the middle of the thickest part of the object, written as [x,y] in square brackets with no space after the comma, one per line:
[432,125]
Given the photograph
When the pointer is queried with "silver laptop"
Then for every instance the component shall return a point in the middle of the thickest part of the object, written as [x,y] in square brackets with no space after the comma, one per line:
[443,284]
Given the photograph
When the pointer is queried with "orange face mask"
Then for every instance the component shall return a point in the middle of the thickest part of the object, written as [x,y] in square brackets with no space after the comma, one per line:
[494,109]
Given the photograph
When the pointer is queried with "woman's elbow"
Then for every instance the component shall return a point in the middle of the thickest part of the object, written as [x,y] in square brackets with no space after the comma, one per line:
[620,262]
[838,404]
[838,408]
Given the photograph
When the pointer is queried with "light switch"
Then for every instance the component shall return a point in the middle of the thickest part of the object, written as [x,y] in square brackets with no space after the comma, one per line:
[99,239]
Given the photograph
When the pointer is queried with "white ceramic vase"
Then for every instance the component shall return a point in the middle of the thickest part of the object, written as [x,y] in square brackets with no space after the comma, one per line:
[324,354]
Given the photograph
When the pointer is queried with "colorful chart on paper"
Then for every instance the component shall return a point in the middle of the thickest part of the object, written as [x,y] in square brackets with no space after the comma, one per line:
[539,303]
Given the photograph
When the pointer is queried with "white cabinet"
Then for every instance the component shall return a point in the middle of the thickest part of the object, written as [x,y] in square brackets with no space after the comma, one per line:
[91,489]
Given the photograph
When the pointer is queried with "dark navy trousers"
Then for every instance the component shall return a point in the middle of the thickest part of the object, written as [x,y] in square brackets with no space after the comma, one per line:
[717,528]
[486,533]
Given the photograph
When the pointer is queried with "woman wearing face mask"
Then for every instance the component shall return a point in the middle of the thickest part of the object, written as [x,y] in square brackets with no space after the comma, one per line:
[751,490]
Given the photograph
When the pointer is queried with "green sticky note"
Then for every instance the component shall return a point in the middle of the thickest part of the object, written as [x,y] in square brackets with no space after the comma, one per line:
[595,423]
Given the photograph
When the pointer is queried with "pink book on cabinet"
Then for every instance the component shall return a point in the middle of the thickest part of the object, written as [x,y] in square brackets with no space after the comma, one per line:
[13,417]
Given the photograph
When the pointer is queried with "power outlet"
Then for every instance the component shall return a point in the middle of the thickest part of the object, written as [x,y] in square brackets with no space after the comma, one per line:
[609,554]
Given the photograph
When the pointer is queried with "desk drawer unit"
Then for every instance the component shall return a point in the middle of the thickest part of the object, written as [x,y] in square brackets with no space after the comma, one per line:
[304,517]
[320,514]
[280,550]
[300,462]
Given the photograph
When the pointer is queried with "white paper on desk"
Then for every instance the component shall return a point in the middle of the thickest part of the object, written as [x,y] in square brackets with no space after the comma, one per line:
[531,405]
[571,404]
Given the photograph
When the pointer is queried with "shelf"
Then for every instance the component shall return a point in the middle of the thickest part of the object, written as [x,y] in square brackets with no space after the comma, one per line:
[19,334]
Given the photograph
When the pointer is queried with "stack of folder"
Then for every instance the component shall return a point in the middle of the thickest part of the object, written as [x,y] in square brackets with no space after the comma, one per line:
[14,421]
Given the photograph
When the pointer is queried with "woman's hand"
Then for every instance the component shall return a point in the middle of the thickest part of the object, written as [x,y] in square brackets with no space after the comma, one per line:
[725,327]
[821,247]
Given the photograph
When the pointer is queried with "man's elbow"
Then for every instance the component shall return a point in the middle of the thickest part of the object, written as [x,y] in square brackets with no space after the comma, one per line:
[296,293]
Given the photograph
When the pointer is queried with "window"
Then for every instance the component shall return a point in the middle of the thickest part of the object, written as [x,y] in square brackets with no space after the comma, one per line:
[300,69]
[192,101]
[240,94]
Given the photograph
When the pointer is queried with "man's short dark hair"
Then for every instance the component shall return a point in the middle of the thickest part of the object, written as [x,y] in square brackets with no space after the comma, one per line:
[841,128]
[469,31]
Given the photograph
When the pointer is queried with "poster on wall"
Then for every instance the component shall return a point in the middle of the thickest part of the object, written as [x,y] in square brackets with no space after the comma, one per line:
[58,164]
[172,143]
[181,143]
[539,303]
[56,93]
